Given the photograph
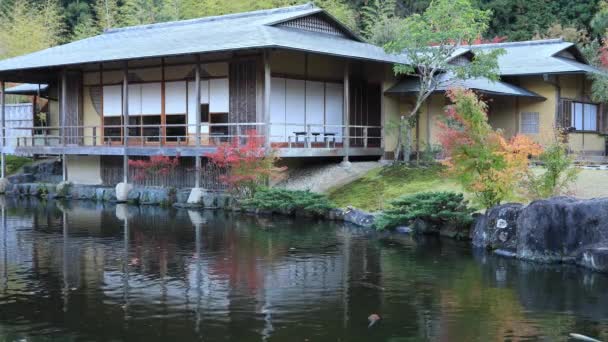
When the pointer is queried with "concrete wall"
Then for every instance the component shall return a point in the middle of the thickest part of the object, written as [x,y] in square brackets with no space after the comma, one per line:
[84,169]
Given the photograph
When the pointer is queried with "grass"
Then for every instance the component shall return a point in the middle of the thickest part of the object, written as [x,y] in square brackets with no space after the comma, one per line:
[379,186]
[15,163]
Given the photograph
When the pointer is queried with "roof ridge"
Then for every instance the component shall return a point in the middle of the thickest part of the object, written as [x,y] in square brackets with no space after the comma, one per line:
[521,43]
[287,9]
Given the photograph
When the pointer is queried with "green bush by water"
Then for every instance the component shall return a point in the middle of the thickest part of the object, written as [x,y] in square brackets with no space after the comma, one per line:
[284,201]
[435,208]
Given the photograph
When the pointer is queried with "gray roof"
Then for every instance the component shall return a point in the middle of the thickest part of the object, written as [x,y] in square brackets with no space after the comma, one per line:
[410,85]
[28,89]
[539,57]
[210,34]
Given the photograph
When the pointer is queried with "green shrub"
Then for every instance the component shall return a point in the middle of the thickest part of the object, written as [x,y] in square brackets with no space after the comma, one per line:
[437,209]
[284,201]
[558,171]
[42,190]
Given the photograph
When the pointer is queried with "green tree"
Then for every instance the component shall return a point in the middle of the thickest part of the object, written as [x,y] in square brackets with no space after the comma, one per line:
[138,12]
[429,41]
[379,22]
[107,13]
[27,27]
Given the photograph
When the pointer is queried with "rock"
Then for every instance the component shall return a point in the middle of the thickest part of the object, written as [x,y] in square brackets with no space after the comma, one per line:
[497,229]
[196,196]
[63,188]
[157,196]
[359,217]
[99,193]
[109,195]
[133,196]
[83,192]
[210,200]
[182,195]
[122,191]
[335,215]
[594,257]
[4,184]
[552,230]
[403,230]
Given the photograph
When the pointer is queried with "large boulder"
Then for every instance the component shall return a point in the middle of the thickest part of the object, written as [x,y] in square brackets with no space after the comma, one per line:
[122,191]
[594,257]
[359,217]
[553,230]
[4,185]
[497,228]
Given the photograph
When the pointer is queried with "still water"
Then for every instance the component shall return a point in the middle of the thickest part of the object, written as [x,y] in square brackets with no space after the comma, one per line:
[82,271]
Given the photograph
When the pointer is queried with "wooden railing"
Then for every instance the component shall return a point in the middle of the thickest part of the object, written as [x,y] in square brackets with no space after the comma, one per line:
[290,135]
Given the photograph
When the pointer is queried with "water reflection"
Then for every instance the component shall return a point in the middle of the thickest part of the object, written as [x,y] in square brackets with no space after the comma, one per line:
[83,270]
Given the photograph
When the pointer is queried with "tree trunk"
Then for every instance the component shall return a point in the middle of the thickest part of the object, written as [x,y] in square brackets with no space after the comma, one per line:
[407,142]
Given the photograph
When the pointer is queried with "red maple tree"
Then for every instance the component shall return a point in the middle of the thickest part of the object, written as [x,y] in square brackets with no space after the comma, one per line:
[248,165]
[154,166]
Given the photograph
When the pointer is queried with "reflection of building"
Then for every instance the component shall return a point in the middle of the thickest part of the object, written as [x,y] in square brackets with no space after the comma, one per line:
[220,276]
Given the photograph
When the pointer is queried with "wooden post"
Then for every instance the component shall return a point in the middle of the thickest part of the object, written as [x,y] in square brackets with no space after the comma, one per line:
[2,131]
[197,89]
[163,115]
[346,134]
[63,106]
[267,89]
[63,110]
[125,121]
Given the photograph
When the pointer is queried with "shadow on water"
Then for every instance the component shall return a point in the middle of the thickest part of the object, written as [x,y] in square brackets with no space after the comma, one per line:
[93,271]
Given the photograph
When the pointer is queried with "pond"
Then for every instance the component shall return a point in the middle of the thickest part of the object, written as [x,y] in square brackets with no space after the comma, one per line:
[82,271]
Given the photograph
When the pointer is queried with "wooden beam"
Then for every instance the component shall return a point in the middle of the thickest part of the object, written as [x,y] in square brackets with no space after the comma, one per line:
[163,115]
[197,89]
[63,110]
[2,130]
[267,90]
[103,131]
[346,109]
[125,120]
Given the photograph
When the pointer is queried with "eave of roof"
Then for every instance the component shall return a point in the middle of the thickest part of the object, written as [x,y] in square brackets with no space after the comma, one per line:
[538,57]
[410,85]
[28,89]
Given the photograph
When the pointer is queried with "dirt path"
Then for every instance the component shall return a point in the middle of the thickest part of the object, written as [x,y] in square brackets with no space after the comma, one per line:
[320,178]
[591,183]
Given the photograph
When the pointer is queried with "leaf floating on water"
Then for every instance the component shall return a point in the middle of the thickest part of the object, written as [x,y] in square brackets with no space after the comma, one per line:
[373,318]
[583,338]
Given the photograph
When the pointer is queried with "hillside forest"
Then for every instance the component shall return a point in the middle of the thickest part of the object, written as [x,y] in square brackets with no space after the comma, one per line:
[30,25]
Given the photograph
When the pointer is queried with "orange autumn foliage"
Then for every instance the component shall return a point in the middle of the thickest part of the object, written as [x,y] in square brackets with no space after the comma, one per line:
[487,164]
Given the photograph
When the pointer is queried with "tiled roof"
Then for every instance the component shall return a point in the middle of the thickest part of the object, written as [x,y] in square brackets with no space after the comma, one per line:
[211,34]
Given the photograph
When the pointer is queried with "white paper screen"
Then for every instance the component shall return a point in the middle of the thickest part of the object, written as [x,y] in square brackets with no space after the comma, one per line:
[112,100]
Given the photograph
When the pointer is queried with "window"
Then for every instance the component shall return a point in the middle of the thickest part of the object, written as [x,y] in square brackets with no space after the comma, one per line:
[529,123]
[584,116]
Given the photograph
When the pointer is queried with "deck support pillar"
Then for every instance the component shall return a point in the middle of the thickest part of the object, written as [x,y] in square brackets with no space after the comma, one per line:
[125,121]
[346,114]
[123,188]
[267,89]
[3,181]
[62,120]
[197,89]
